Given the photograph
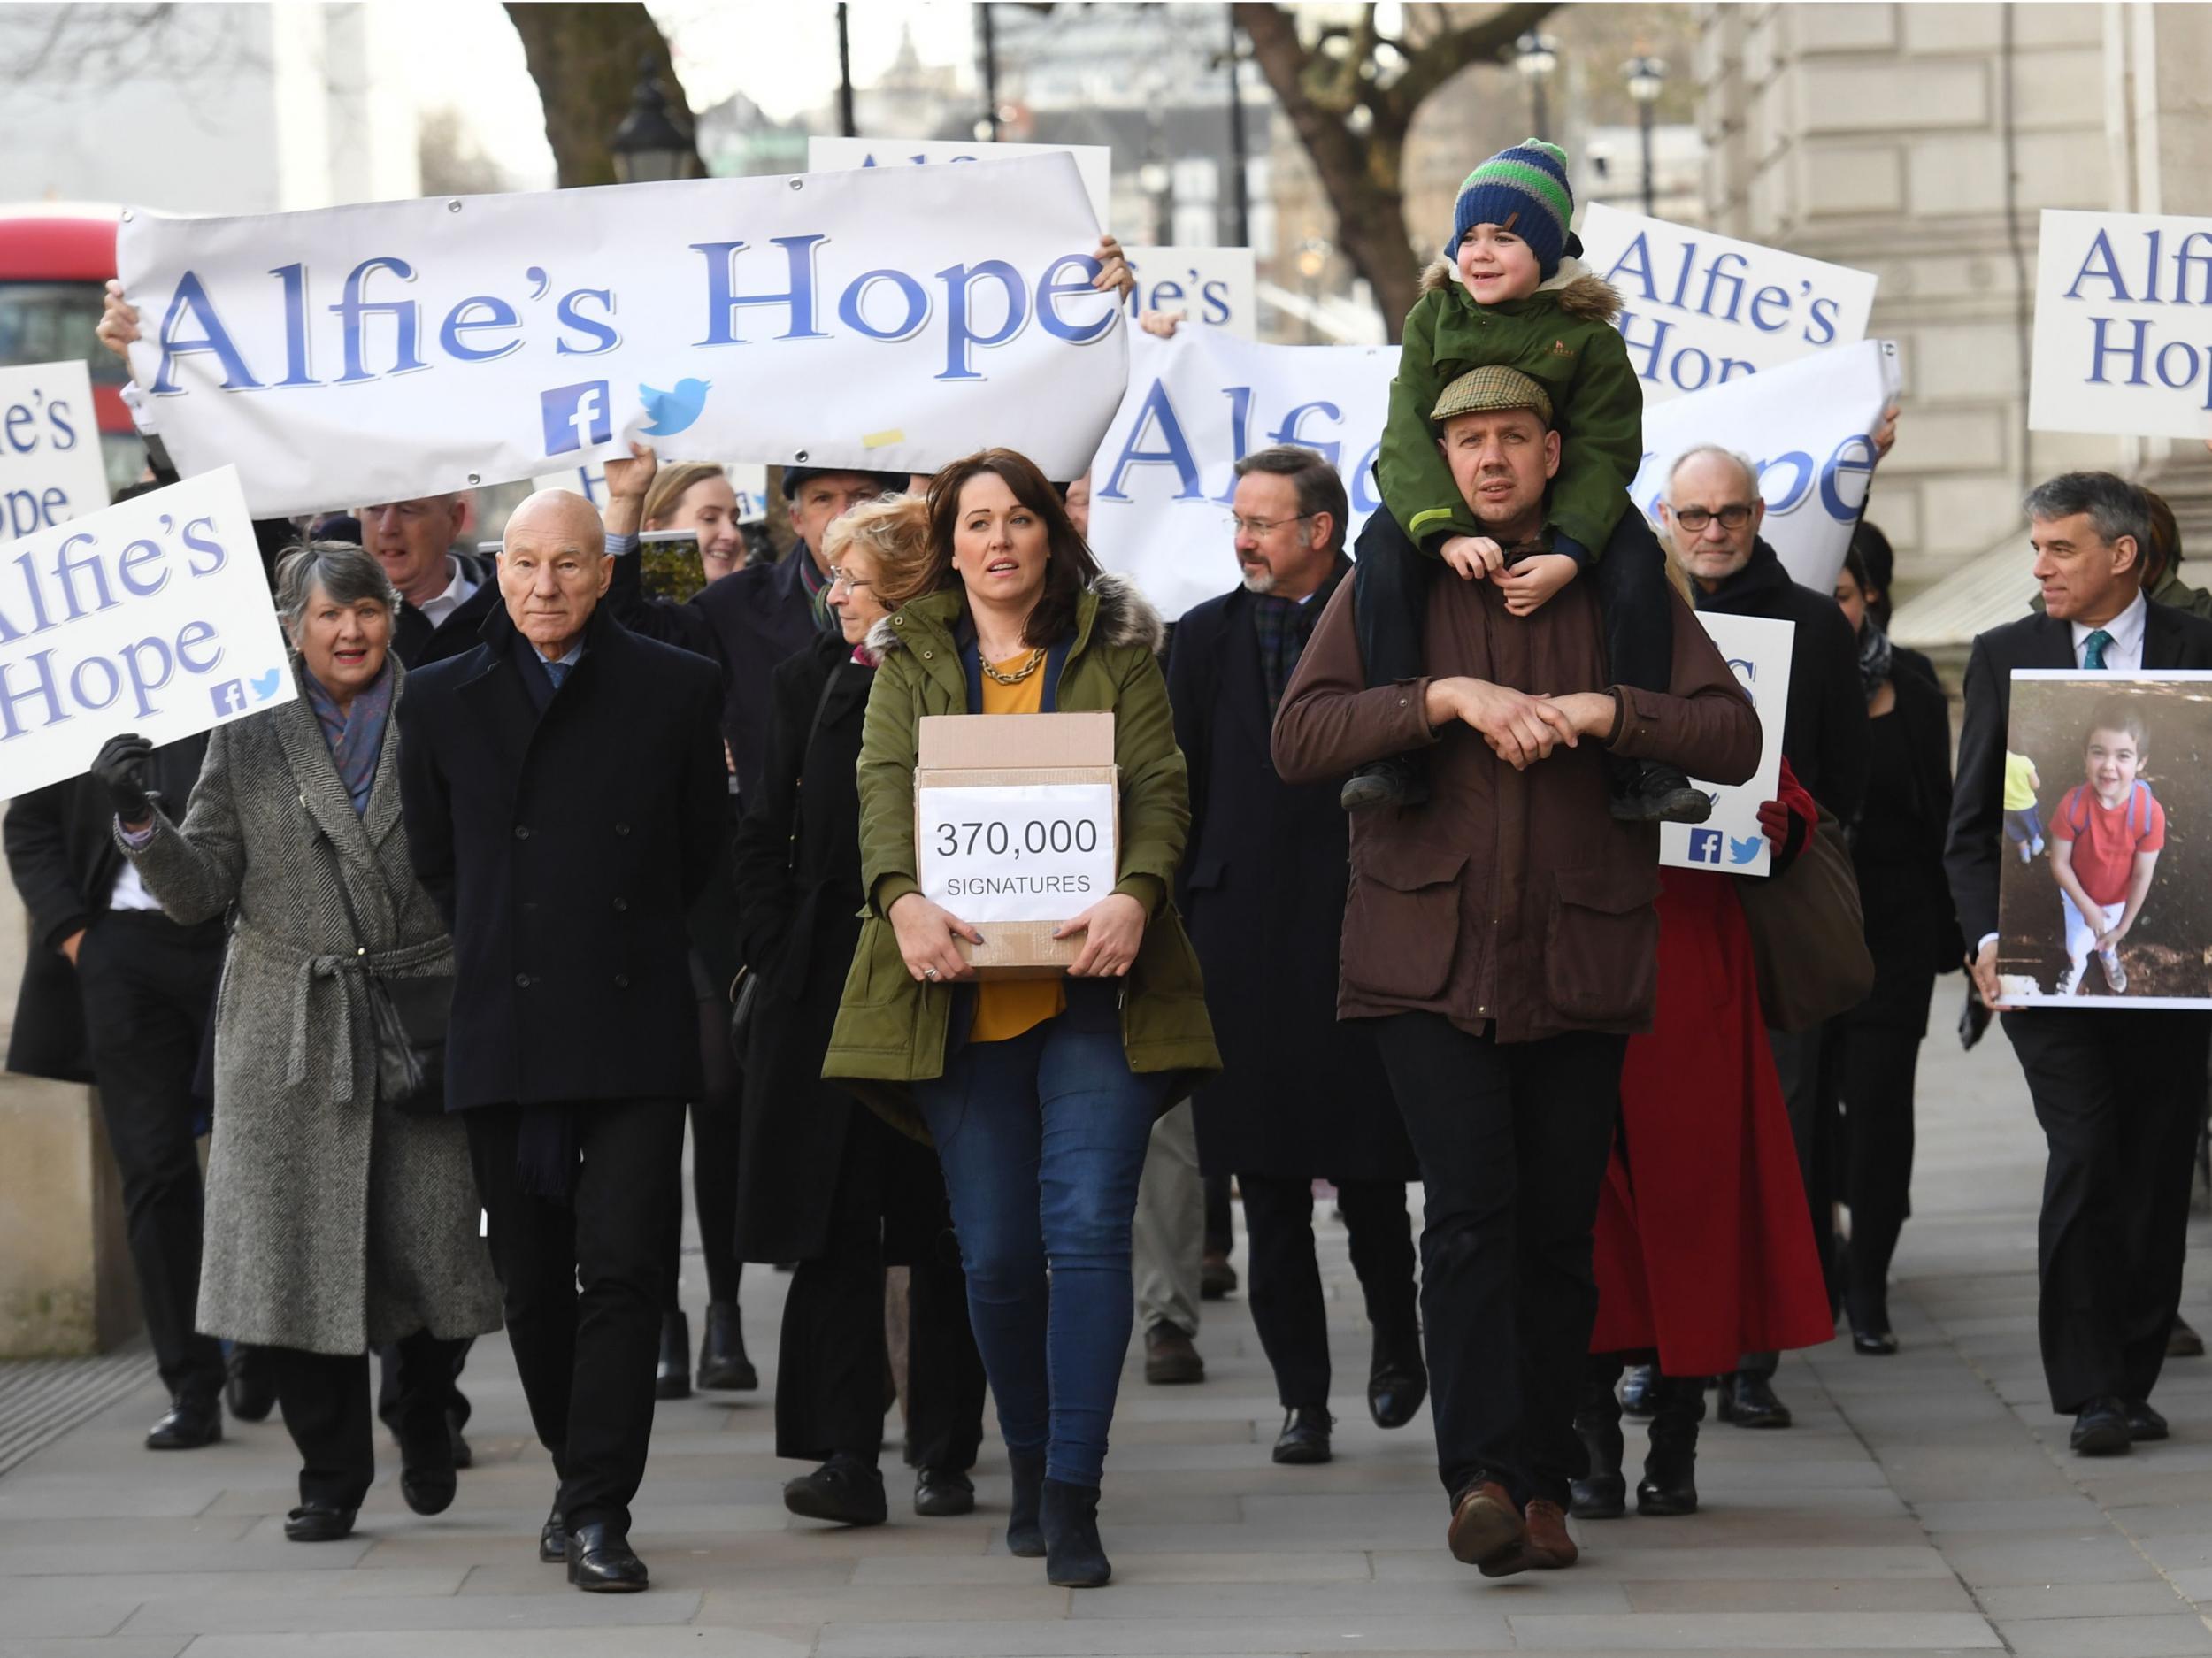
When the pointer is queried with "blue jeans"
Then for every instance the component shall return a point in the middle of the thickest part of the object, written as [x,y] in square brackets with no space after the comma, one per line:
[1042,1137]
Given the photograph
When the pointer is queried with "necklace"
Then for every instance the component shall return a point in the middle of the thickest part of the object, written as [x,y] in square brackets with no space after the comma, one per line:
[1036,661]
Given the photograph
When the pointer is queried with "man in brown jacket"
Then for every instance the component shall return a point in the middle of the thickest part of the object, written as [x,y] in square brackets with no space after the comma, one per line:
[1503,938]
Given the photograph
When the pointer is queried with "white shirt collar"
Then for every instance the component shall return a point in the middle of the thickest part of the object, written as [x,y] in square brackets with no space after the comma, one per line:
[2126,631]
[457,589]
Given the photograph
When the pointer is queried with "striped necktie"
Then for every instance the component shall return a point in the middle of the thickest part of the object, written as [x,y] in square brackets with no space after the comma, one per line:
[2094,648]
[557,671]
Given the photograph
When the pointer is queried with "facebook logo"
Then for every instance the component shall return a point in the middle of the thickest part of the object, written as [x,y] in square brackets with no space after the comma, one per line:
[576,416]
[1705,846]
[229,697]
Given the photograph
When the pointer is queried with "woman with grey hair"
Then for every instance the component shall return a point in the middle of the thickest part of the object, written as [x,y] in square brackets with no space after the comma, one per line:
[335,1221]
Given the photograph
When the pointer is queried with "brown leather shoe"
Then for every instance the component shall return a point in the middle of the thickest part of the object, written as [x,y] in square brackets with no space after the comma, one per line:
[1487,1532]
[1170,1357]
[1549,1547]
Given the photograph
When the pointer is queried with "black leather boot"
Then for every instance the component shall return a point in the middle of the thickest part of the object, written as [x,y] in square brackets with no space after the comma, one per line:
[1398,779]
[723,1366]
[1601,1494]
[672,1379]
[1074,1557]
[1670,1483]
[1025,1528]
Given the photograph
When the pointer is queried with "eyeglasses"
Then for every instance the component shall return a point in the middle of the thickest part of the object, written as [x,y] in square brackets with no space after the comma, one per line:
[1695,519]
[1257,528]
[846,580]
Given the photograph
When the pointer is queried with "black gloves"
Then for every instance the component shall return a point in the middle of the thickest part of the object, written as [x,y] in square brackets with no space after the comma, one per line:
[120,765]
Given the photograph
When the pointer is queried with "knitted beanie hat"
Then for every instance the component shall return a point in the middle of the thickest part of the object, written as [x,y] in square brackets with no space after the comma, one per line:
[1523,189]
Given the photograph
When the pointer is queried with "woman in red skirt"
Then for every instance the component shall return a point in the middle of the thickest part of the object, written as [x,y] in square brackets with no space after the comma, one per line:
[1704,1248]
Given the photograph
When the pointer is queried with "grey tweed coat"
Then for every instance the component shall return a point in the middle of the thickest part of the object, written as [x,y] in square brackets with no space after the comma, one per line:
[334,1222]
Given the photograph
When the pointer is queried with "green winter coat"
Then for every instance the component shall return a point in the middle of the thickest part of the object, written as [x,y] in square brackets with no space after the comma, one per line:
[1562,337]
[891,1028]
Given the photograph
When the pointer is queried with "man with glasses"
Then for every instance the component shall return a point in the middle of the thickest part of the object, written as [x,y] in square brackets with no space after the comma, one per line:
[444,592]
[1711,514]
[1301,1096]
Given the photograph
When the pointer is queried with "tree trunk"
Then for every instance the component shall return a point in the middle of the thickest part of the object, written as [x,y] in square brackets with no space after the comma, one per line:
[585,59]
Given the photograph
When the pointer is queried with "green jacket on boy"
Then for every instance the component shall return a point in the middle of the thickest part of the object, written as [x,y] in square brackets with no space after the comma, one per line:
[1562,337]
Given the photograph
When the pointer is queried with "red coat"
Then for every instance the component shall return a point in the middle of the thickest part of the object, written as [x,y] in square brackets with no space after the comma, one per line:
[1704,1247]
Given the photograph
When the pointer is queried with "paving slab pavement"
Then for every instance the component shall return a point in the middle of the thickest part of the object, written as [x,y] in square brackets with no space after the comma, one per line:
[1924,1503]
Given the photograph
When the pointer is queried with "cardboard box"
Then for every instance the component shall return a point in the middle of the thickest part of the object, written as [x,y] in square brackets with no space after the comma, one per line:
[1016,830]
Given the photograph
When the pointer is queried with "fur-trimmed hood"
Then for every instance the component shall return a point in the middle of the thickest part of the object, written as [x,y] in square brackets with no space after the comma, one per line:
[1581,291]
[1125,617]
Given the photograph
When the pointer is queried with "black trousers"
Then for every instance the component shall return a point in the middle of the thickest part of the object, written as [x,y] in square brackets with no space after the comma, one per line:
[148,985]
[1800,1060]
[2119,1095]
[1877,1068]
[714,1125]
[583,1283]
[390,1401]
[1512,1140]
[832,1361]
[1221,1236]
[1283,1284]
[1390,593]
[325,1399]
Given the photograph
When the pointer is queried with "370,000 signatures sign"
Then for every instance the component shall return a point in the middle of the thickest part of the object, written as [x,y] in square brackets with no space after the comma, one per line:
[1017,852]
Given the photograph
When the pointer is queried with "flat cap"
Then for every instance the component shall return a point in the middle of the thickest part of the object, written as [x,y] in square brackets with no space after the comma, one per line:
[1488,391]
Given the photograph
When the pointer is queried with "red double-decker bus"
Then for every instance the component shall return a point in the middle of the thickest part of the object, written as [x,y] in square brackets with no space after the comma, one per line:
[54,258]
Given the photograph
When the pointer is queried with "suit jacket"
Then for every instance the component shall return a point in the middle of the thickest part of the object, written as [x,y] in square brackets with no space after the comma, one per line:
[1300,1095]
[746,623]
[62,855]
[2172,638]
[564,850]
[418,642]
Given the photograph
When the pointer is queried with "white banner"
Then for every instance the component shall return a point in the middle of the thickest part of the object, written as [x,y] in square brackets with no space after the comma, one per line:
[1016,852]
[1758,649]
[1215,288]
[1161,488]
[1094,162]
[151,617]
[891,322]
[1807,426]
[50,468]
[2120,345]
[1702,309]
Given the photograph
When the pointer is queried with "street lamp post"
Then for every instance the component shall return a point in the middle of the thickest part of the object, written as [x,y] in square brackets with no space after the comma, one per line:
[1647,77]
[1313,258]
[648,147]
[1535,55]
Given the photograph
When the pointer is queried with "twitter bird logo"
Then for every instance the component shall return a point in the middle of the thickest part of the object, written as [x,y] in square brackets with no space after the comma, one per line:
[1745,851]
[674,411]
[265,686]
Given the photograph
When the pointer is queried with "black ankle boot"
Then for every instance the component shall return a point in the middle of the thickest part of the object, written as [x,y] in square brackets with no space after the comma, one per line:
[722,1365]
[1651,791]
[1402,779]
[1602,1493]
[1024,1531]
[1074,1557]
[673,1379]
[1670,1483]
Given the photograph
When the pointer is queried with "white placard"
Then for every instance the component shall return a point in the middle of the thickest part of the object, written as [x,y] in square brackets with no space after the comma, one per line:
[151,617]
[50,468]
[1807,426]
[1215,288]
[1016,852]
[1702,309]
[1758,649]
[2122,343]
[1094,162]
[1162,486]
[588,481]
[888,322]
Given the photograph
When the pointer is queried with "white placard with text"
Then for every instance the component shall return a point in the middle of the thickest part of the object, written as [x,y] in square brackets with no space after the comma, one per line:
[1758,649]
[50,470]
[1016,852]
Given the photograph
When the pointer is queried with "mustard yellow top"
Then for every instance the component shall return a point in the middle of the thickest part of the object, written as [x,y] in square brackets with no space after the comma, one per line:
[1005,1008]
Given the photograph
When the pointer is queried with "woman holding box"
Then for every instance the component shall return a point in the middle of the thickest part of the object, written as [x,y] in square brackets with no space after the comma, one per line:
[1039,1093]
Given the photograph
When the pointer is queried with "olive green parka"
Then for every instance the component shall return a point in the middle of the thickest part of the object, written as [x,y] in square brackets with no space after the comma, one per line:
[892,1029]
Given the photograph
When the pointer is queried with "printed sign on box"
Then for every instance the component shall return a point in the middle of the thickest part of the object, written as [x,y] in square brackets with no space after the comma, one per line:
[151,617]
[1701,309]
[2122,344]
[1095,162]
[1214,287]
[50,468]
[858,319]
[1758,649]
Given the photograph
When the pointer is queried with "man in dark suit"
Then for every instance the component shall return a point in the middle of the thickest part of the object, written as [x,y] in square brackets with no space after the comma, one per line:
[1712,512]
[445,593]
[108,971]
[2117,1091]
[1301,1096]
[564,797]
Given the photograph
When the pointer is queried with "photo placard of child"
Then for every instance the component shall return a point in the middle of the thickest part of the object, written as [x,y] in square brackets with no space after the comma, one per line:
[2106,895]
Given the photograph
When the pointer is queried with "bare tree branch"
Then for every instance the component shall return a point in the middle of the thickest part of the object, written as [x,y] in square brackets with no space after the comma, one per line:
[584,59]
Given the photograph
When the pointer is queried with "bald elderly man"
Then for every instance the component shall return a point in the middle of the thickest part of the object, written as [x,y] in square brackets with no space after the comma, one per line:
[563,792]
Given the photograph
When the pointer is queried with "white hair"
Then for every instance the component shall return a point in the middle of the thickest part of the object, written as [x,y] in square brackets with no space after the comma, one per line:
[1742,464]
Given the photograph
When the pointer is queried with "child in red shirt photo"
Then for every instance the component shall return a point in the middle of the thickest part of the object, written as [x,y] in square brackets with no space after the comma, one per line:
[2105,841]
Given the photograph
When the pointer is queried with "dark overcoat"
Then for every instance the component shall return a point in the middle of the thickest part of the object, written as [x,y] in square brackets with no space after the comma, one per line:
[564,851]
[1300,1095]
